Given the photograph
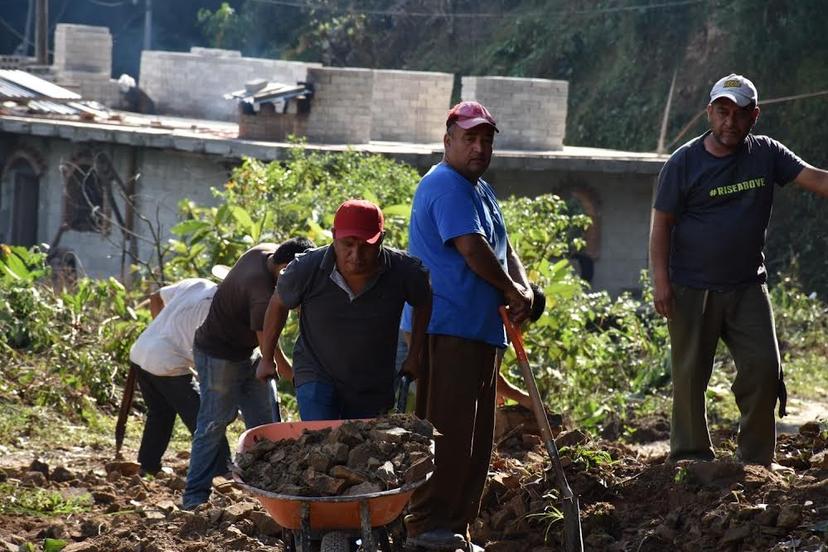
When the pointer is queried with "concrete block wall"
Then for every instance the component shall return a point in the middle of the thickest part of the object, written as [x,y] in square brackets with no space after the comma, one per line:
[341,107]
[83,62]
[410,106]
[268,125]
[91,86]
[531,113]
[193,84]
[83,48]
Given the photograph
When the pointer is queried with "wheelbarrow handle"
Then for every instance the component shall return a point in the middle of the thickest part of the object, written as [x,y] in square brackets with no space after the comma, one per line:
[402,393]
[275,411]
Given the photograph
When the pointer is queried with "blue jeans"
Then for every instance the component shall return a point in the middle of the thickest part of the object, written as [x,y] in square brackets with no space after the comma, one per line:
[319,401]
[226,386]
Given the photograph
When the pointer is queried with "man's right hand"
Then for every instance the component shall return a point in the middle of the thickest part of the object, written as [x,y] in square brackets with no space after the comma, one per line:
[663,299]
[519,300]
[411,367]
[265,370]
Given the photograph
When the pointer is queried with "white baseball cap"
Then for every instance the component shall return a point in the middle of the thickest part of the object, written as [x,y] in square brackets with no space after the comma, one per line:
[220,271]
[736,88]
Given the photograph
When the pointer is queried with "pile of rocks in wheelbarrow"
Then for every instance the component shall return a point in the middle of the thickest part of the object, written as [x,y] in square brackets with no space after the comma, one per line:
[355,458]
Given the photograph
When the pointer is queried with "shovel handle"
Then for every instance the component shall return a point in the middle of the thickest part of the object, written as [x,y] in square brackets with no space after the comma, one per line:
[573,537]
[516,337]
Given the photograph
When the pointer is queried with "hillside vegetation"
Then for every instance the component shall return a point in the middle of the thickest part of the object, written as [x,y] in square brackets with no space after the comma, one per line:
[619,57]
[619,63]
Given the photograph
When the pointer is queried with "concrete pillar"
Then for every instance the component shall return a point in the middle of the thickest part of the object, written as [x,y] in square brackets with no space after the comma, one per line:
[83,49]
[530,113]
[340,111]
[410,106]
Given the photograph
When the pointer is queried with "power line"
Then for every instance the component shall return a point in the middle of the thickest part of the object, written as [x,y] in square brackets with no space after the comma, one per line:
[692,122]
[11,29]
[403,13]
[107,4]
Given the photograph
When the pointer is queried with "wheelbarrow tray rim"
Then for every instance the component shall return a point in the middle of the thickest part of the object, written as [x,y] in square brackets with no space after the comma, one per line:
[328,512]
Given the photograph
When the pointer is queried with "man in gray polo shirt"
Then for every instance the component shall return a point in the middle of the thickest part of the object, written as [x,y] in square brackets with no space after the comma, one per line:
[351,294]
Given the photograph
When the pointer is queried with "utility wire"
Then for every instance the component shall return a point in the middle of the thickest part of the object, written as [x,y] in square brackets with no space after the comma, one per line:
[11,29]
[403,13]
[107,4]
[686,128]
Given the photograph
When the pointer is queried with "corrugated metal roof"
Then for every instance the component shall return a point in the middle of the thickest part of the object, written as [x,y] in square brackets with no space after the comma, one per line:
[45,106]
[17,80]
[269,91]
[11,90]
[23,92]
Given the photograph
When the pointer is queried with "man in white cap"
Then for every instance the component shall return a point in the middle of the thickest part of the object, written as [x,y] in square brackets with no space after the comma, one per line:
[709,221]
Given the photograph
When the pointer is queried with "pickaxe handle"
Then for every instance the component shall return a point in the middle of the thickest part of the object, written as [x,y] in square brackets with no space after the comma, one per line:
[126,405]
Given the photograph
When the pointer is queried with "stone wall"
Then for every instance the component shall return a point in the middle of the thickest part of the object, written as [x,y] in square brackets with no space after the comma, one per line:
[531,113]
[193,84]
[340,111]
[410,106]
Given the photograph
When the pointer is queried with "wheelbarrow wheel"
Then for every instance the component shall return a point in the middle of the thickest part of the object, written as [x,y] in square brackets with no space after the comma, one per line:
[335,541]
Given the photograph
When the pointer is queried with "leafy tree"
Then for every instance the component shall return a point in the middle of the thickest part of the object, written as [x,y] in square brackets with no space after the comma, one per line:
[223,28]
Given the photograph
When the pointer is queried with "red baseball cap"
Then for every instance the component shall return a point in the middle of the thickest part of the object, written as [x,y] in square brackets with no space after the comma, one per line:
[469,114]
[359,218]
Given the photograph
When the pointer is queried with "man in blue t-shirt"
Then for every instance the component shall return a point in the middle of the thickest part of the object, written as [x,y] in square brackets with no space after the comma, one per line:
[457,230]
[710,218]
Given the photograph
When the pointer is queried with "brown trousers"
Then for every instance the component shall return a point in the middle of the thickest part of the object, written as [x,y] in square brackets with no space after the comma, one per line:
[456,393]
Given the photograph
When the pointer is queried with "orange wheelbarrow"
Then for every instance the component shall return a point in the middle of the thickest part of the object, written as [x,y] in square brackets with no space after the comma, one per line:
[375,518]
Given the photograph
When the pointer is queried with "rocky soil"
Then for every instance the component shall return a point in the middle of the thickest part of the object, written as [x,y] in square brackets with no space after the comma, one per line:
[358,457]
[629,501]
[632,502]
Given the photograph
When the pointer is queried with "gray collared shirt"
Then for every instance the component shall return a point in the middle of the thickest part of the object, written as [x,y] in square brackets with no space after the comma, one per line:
[347,339]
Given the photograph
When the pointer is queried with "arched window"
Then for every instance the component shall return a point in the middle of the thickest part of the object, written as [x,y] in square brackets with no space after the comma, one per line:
[85,202]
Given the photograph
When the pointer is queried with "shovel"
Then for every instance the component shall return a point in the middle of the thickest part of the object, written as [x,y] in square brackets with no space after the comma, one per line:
[573,539]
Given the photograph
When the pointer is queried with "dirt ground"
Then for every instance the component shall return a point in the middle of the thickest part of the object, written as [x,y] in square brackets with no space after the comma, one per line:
[630,500]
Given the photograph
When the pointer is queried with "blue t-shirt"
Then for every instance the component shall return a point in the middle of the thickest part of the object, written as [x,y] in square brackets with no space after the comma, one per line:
[722,206]
[446,205]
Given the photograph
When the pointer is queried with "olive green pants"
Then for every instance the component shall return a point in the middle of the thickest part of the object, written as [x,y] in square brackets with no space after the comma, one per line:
[743,319]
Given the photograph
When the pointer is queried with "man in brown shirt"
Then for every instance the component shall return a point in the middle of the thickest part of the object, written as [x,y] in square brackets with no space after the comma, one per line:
[222,351]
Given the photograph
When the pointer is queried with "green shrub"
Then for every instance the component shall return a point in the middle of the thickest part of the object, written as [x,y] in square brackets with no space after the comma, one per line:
[271,202]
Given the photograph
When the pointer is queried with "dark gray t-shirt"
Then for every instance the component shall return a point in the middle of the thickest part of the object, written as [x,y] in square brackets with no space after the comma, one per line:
[351,342]
[722,206]
[238,307]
